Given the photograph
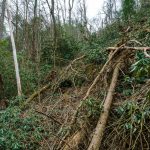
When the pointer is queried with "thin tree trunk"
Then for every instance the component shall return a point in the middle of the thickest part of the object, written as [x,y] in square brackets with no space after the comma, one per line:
[2,18]
[34,37]
[17,15]
[71,3]
[52,12]
[100,128]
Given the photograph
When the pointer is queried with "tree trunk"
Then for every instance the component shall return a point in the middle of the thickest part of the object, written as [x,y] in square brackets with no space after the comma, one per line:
[34,36]
[1,87]
[71,2]
[16,34]
[14,53]
[52,12]
[2,18]
[100,128]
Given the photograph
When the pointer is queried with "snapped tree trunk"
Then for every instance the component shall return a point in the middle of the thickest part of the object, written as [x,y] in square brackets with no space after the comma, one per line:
[100,128]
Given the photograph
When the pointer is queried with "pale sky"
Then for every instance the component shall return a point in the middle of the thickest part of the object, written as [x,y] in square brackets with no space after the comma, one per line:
[93,7]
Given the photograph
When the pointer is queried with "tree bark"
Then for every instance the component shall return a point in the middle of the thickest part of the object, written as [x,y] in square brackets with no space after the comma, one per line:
[100,128]
[2,18]
[35,35]
[71,3]
[14,53]
[1,87]
[52,12]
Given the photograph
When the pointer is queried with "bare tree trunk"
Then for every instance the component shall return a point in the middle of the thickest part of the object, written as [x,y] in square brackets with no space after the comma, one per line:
[52,12]
[2,18]
[71,3]
[16,36]
[100,128]
[83,13]
[14,53]
[63,10]
[26,28]
[85,22]
[1,87]
[34,36]
[54,20]
[54,30]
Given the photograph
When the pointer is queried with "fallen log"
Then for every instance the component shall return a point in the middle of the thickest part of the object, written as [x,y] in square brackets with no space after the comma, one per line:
[35,94]
[100,128]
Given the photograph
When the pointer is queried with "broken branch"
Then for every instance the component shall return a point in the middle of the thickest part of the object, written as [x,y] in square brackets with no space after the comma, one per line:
[129,48]
[48,116]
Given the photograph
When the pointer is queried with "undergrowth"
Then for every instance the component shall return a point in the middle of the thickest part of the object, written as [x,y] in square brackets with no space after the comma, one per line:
[20,130]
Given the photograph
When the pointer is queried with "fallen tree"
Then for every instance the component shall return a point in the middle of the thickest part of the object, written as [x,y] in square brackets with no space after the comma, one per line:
[114,60]
[100,128]
[112,55]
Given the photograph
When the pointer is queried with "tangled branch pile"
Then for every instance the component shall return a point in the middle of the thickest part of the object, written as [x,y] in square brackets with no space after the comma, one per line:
[92,121]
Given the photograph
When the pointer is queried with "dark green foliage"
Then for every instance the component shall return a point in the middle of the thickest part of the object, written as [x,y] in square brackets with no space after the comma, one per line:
[67,47]
[4,44]
[95,54]
[135,114]
[47,51]
[7,69]
[28,75]
[128,9]
[28,72]
[20,130]
[96,48]
[93,106]
[141,69]
[134,117]
[131,123]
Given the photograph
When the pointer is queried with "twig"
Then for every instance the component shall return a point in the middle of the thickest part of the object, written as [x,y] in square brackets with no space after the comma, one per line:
[135,41]
[48,116]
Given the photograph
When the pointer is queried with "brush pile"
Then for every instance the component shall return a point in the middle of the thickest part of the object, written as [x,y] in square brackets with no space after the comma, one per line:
[86,114]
